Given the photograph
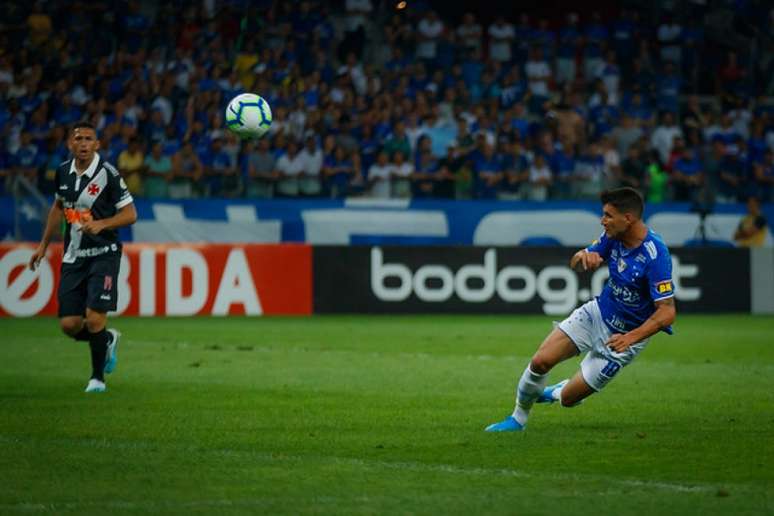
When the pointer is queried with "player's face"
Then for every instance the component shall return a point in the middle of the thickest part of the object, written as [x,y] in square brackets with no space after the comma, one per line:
[616,223]
[83,143]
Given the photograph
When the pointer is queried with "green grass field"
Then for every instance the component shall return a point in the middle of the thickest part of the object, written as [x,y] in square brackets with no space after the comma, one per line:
[375,415]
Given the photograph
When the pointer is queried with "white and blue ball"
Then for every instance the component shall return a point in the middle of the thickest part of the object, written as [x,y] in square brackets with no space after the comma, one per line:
[248,115]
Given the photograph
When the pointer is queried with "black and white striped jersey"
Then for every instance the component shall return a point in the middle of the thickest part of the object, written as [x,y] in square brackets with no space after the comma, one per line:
[98,193]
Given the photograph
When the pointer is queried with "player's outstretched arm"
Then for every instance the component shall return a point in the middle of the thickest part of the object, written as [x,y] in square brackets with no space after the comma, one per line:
[664,316]
[584,260]
[52,223]
[126,216]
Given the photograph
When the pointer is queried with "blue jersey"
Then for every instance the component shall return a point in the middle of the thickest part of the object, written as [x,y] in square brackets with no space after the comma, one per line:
[638,278]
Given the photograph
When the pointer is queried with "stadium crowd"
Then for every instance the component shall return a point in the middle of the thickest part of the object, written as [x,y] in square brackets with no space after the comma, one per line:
[373,101]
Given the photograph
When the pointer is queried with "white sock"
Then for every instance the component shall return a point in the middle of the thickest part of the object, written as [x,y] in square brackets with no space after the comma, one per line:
[531,385]
[557,394]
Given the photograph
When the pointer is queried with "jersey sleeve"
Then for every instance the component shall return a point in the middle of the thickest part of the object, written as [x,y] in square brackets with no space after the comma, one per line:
[119,193]
[659,275]
[601,246]
[57,183]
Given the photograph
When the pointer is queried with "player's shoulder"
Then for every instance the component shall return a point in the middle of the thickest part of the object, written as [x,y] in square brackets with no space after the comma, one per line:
[112,170]
[654,246]
[65,165]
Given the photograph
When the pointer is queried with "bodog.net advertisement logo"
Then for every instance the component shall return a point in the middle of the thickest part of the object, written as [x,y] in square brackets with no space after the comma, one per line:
[505,280]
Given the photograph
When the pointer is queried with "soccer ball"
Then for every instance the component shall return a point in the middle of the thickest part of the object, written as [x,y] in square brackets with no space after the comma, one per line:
[248,116]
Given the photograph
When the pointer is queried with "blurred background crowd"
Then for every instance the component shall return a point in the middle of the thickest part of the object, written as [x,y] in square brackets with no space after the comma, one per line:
[397,99]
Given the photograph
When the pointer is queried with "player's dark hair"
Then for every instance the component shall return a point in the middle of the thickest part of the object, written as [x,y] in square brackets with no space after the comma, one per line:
[83,124]
[625,200]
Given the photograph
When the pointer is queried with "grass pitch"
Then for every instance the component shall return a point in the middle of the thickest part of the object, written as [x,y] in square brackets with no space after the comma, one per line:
[374,415]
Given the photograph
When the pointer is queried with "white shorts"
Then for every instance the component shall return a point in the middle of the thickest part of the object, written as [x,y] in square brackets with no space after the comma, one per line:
[590,334]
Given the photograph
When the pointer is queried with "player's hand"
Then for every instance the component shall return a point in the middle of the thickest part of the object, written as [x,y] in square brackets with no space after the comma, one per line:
[620,342]
[585,261]
[92,227]
[36,257]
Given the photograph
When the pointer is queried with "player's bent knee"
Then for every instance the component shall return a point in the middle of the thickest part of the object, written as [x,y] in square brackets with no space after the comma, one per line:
[71,325]
[95,322]
[540,364]
[568,401]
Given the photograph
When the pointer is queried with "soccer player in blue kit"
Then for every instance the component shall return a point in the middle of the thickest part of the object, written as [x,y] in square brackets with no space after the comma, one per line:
[613,328]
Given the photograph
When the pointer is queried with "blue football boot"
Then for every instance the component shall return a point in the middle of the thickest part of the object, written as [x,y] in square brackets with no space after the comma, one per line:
[548,392]
[509,424]
[111,359]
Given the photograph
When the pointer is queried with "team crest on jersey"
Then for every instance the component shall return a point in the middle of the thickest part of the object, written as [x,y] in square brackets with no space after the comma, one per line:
[93,189]
[621,265]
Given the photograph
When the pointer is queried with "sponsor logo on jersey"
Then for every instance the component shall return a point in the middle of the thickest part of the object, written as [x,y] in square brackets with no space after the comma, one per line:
[664,287]
[621,265]
[73,216]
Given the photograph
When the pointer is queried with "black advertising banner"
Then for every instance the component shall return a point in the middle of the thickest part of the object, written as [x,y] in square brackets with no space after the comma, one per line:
[408,279]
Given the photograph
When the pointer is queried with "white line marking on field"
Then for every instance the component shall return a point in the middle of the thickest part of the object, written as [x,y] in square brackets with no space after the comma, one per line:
[302,459]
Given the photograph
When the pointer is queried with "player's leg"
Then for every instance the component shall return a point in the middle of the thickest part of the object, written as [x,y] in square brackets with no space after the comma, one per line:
[101,298]
[73,326]
[556,348]
[99,339]
[569,392]
[71,296]
[572,336]
[597,370]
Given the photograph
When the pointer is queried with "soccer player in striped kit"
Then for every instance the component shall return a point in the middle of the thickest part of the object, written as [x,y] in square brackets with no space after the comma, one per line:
[94,202]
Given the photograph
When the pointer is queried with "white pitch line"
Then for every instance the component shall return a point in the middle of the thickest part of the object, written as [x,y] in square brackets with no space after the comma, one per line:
[378,464]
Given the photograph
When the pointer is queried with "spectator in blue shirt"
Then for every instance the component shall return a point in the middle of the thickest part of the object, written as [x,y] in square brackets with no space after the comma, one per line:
[731,177]
[669,85]
[338,171]
[67,113]
[624,32]
[39,127]
[26,159]
[687,176]
[763,176]
[425,175]
[596,35]
[569,45]
[220,172]
[603,117]
[562,162]
[514,88]
[636,107]
[487,173]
